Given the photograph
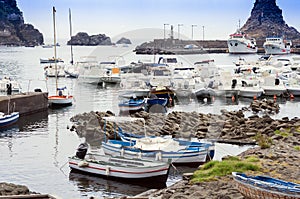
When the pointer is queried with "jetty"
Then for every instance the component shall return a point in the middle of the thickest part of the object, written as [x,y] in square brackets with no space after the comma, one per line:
[24,103]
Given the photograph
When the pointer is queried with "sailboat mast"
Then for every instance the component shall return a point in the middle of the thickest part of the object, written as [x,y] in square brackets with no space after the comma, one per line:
[70,21]
[55,62]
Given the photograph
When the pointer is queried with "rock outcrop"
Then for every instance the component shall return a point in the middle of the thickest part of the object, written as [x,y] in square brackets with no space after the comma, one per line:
[123,40]
[83,39]
[13,31]
[266,20]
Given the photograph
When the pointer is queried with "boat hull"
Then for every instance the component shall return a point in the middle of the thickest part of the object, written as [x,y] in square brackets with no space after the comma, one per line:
[176,157]
[60,100]
[141,169]
[257,188]
[8,120]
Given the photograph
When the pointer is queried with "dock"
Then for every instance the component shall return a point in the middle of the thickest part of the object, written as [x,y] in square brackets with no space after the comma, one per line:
[24,103]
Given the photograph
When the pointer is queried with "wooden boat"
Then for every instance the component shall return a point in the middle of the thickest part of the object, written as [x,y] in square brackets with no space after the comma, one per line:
[61,98]
[118,167]
[8,119]
[127,137]
[156,151]
[257,187]
[131,105]
[156,105]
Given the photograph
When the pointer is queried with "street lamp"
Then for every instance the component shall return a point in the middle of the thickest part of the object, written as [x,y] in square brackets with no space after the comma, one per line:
[165,24]
[179,30]
[193,30]
[203,32]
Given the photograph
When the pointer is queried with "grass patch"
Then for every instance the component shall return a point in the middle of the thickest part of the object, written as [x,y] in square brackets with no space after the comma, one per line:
[263,141]
[282,133]
[297,148]
[213,169]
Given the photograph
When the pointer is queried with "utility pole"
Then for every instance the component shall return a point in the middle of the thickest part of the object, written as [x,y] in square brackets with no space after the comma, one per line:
[193,31]
[203,32]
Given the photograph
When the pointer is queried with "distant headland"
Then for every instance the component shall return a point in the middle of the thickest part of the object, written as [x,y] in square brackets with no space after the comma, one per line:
[13,30]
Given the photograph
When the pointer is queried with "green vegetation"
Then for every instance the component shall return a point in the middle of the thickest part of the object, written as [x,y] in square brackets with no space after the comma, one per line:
[282,133]
[213,169]
[263,141]
[297,148]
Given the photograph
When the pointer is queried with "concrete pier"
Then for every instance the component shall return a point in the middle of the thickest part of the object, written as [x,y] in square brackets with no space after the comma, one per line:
[24,103]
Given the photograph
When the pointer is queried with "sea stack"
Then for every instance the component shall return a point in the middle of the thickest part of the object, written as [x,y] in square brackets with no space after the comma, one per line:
[13,31]
[266,20]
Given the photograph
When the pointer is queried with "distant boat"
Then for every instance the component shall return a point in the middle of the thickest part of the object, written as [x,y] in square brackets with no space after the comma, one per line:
[239,42]
[119,167]
[8,119]
[257,187]
[50,45]
[131,105]
[50,60]
[5,81]
[277,46]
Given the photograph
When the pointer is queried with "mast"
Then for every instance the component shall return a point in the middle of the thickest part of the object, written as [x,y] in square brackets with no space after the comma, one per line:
[70,21]
[55,62]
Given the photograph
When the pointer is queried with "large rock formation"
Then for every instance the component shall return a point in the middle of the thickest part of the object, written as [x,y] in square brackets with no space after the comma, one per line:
[266,20]
[123,40]
[83,39]
[13,31]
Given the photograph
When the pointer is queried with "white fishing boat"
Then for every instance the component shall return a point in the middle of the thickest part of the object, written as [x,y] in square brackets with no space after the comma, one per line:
[119,167]
[55,70]
[277,46]
[62,97]
[158,149]
[239,42]
[272,86]
[249,87]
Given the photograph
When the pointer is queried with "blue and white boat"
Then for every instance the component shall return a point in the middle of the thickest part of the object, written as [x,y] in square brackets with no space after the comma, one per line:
[257,187]
[8,119]
[158,102]
[127,137]
[132,105]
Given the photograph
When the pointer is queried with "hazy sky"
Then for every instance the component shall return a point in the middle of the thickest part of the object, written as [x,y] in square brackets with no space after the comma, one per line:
[114,17]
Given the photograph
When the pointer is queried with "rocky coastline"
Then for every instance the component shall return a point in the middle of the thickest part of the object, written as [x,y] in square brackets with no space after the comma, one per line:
[277,143]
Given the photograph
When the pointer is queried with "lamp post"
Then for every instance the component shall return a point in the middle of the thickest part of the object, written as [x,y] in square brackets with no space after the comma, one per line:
[179,30]
[203,32]
[193,31]
[165,24]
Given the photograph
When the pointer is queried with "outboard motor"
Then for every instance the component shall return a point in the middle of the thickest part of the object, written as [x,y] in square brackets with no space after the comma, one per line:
[82,150]
[234,82]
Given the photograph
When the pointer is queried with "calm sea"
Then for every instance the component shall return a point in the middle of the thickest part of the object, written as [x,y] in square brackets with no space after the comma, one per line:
[34,152]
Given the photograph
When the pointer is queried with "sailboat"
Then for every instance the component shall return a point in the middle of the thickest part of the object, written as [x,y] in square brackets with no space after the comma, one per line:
[62,97]
[71,70]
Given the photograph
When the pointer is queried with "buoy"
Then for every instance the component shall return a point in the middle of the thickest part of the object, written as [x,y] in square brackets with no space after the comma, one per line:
[232,98]
[292,96]
[254,97]
[275,97]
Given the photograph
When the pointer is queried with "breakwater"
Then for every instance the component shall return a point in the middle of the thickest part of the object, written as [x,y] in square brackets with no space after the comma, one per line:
[181,47]
[24,103]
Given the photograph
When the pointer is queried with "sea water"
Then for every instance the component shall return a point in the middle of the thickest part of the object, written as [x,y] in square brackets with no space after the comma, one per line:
[35,151]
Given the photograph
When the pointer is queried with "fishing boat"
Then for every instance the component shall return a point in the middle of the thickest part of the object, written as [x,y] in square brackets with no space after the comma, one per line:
[257,187]
[239,42]
[8,119]
[157,149]
[118,167]
[277,46]
[128,137]
[62,97]
[133,104]
[51,60]
[156,105]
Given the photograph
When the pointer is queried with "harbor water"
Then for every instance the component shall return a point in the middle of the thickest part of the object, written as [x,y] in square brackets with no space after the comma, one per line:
[35,151]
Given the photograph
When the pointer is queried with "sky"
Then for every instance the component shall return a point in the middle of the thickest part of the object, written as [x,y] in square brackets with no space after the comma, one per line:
[114,18]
